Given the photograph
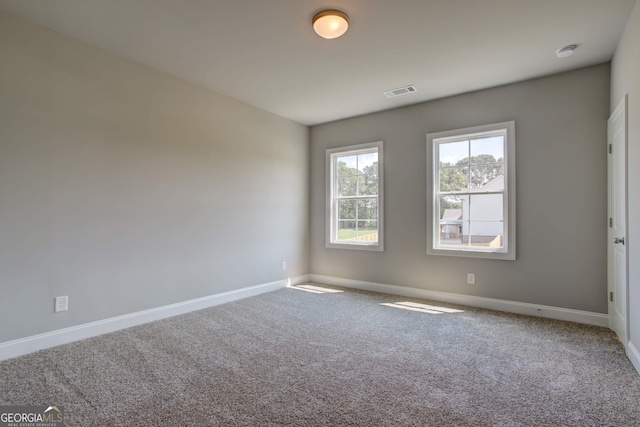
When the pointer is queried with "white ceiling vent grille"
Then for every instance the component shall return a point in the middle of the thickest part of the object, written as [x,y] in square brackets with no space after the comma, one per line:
[400,91]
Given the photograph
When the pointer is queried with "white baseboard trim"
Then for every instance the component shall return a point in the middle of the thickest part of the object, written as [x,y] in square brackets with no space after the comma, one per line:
[550,312]
[634,355]
[21,346]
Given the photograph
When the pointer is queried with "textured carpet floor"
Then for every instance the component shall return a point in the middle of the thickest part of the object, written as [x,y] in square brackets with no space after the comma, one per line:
[299,358]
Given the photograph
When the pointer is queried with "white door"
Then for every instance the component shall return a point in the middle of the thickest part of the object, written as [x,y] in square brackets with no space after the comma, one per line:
[617,247]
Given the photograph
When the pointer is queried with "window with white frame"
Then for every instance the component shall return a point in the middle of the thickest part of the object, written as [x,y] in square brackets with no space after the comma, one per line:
[354,197]
[472,192]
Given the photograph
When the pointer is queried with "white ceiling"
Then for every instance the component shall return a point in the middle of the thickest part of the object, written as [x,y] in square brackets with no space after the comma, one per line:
[264,52]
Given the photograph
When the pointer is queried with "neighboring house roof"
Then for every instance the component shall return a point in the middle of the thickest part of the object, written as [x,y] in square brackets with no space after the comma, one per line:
[496,183]
[452,215]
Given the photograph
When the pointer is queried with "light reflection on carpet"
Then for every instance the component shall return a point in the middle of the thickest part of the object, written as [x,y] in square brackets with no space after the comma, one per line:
[423,308]
[315,289]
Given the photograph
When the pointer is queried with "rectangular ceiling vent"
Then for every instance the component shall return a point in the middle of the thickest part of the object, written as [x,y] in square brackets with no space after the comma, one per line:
[400,91]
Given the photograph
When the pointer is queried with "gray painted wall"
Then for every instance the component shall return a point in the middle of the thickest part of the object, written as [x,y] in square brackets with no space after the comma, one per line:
[127,189]
[625,79]
[561,193]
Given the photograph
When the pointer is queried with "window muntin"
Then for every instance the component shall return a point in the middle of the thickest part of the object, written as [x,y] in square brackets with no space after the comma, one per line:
[354,217]
[472,185]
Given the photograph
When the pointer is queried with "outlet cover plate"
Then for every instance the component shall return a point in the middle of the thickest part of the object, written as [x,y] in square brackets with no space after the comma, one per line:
[62,304]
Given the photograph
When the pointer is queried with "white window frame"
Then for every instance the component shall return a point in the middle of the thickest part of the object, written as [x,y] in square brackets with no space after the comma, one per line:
[331,205]
[508,252]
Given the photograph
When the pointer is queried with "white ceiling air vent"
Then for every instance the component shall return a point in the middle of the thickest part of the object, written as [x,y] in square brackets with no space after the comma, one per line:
[400,91]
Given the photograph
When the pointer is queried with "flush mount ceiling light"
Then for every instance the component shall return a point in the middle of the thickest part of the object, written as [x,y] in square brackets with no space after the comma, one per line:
[563,52]
[330,24]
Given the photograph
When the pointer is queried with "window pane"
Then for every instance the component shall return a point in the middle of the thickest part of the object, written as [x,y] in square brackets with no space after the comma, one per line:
[451,207]
[453,153]
[487,177]
[366,227]
[346,209]
[368,209]
[369,185]
[450,233]
[368,163]
[367,231]
[486,234]
[454,179]
[360,185]
[486,207]
[347,165]
[346,230]
[487,150]
[347,186]
[451,219]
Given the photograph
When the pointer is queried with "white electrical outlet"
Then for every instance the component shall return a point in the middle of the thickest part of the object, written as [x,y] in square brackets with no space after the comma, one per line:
[471,278]
[284,265]
[62,304]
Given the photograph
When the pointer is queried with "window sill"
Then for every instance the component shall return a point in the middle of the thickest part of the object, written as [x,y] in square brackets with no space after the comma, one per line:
[464,253]
[356,246]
